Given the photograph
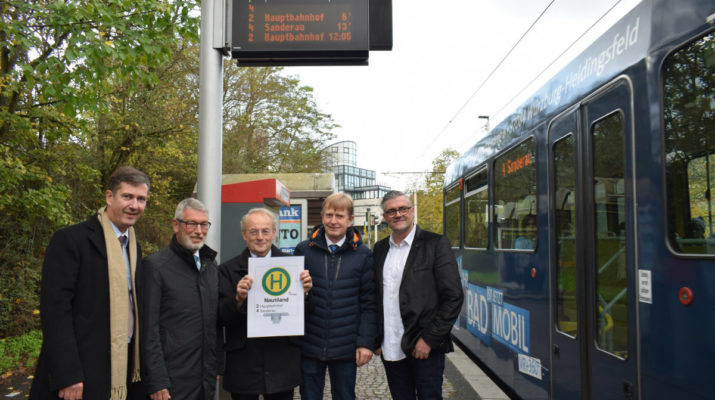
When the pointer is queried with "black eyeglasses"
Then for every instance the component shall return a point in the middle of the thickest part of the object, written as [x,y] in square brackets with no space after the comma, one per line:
[402,210]
[192,225]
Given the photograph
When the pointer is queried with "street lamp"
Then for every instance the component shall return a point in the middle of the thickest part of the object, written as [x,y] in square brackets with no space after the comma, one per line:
[486,125]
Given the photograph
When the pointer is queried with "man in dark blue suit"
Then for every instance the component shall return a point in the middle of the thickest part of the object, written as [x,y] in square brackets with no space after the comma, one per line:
[420,296]
[88,306]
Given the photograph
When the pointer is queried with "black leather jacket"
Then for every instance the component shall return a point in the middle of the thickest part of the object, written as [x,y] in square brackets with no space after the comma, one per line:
[430,294]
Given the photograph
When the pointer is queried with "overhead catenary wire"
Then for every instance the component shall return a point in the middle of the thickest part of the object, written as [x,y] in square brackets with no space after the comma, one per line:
[459,111]
[559,56]
[593,25]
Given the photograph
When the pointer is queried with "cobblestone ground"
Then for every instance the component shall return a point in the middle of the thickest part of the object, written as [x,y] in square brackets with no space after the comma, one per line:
[372,384]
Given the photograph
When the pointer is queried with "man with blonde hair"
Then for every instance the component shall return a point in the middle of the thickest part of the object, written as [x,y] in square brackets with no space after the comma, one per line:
[340,327]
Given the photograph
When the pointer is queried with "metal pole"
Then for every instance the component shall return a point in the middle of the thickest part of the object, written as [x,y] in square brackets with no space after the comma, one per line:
[210,125]
[415,205]
[374,224]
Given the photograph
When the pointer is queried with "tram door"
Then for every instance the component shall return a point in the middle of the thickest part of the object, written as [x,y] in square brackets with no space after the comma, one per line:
[592,266]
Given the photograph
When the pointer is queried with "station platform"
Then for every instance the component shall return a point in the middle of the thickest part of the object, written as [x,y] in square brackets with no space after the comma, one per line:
[463,380]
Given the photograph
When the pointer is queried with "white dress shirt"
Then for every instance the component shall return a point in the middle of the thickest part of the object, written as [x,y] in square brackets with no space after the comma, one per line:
[391,280]
[339,243]
[254,255]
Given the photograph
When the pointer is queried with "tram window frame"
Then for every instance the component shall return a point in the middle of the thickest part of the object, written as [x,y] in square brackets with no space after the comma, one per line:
[500,175]
[611,328]
[452,196]
[567,322]
[684,104]
[477,184]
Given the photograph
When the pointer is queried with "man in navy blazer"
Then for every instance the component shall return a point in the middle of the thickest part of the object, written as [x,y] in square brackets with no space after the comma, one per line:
[78,359]
[420,297]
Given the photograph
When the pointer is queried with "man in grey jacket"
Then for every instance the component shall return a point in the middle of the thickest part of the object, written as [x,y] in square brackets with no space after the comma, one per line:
[179,306]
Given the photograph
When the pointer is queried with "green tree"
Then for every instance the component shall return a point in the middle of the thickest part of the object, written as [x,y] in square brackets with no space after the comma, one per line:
[271,123]
[60,64]
[429,199]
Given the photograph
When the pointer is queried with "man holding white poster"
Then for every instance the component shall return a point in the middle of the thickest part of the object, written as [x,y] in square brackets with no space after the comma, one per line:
[268,366]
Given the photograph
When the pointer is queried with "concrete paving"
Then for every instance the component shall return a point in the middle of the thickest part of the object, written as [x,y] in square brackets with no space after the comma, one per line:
[482,385]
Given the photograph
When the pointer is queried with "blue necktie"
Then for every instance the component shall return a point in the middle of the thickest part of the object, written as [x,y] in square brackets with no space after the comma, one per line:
[196,260]
[333,248]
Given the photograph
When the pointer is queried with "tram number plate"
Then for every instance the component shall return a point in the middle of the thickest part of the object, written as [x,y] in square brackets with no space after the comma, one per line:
[530,366]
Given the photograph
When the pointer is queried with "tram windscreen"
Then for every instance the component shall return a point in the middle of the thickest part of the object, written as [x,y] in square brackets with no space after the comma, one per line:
[689,127]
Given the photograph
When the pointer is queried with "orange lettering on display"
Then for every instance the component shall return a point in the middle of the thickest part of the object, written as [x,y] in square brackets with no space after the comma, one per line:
[511,166]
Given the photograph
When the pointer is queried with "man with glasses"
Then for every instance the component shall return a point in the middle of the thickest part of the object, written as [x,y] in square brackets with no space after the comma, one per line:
[179,305]
[419,299]
[268,366]
[340,325]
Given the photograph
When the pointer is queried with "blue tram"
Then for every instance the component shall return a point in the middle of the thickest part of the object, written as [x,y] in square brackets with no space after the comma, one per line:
[584,224]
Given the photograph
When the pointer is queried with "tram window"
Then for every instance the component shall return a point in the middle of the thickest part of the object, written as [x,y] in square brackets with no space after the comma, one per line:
[515,197]
[452,217]
[565,211]
[689,126]
[610,247]
[476,219]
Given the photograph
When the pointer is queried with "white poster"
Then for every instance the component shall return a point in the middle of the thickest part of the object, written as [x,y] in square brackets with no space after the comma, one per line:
[276,301]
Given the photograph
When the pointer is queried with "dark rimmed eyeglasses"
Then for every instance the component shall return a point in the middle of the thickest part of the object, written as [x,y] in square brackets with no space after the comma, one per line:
[402,210]
[192,225]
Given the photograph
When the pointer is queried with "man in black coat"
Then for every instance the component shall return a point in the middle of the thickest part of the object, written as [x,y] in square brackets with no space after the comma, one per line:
[178,290]
[420,297]
[87,298]
[268,366]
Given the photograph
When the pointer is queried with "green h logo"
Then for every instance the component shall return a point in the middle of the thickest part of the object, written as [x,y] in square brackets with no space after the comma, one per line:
[276,281]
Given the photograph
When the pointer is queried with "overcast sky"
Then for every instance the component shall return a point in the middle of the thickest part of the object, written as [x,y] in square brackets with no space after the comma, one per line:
[427,94]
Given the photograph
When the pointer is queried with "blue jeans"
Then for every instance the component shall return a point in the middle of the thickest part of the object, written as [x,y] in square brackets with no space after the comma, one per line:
[342,378]
[411,379]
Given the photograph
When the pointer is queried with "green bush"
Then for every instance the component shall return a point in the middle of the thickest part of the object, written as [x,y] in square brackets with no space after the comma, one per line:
[20,352]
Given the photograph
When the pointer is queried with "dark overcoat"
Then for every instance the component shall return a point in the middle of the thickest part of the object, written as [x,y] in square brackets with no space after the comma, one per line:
[74,310]
[430,293]
[179,307]
[255,365]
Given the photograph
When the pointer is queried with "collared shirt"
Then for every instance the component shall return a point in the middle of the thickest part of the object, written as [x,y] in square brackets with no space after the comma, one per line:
[257,256]
[339,243]
[391,280]
[125,251]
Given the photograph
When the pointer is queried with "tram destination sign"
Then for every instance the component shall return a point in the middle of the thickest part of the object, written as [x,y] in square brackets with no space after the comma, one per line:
[300,32]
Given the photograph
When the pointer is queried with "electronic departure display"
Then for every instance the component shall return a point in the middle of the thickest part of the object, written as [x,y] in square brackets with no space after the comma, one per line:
[300,31]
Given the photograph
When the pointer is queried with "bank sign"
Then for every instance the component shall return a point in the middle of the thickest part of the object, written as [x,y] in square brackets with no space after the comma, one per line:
[289,232]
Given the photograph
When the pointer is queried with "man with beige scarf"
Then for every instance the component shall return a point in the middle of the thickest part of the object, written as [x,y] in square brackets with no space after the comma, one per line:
[88,309]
